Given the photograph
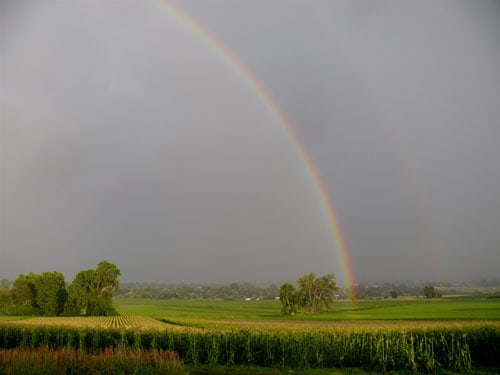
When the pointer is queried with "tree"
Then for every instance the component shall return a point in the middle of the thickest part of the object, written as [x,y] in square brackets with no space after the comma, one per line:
[287,298]
[4,298]
[79,293]
[92,291]
[50,293]
[23,291]
[4,284]
[23,295]
[306,284]
[430,292]
[317,292]
[326,289]
[394,294]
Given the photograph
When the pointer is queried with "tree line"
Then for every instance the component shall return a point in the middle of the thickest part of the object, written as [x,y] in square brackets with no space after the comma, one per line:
[46,294]
[233,291]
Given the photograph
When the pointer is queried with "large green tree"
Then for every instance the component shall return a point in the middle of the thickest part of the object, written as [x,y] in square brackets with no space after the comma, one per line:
[23,290]
[315,293]
[4,298]
[23,295]
[50,293]
[91,293]
[288,299]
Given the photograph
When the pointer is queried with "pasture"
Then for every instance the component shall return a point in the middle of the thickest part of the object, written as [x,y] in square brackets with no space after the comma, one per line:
[460,308]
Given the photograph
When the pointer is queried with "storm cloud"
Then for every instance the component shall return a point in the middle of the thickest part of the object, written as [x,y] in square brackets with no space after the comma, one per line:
[125,136]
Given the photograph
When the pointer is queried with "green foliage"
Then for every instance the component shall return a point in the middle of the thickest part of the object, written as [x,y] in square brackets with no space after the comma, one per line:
[23,291]
[288,300]
[45,293]
[316,294]
[234,291]
[50,293]
[79,293]
[431,292]
[4,298]
[92,291]
[20,310]
[5,284]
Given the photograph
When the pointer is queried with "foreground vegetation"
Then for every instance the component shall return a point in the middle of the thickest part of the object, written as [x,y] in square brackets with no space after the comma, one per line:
[68,360]
[378,348]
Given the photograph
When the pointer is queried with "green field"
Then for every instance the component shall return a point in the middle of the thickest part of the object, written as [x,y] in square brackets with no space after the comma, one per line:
[459,308]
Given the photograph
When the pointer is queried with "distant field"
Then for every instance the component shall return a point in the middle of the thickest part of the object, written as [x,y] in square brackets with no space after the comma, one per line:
[462,308]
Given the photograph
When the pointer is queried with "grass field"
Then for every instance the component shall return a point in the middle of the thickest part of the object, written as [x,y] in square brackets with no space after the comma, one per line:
[462,308]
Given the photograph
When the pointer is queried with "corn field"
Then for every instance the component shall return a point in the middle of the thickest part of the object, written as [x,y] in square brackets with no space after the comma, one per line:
[416,349]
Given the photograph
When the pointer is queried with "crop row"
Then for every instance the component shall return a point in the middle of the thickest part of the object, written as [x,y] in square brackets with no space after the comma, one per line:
[115,322]
[418,350]
[300,327]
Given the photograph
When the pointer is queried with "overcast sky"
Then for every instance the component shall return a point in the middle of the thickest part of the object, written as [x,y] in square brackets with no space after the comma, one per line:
[125,136]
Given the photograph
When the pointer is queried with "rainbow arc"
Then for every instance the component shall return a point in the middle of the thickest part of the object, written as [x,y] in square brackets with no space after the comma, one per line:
[281,119]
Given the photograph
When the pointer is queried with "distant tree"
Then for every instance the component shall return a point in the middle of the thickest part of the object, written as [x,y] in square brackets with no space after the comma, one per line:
[326,289]
[394,294]
[23,290]
[92,291]
[23,295]
[317,292]
[287,299]
[50,293]
[5,284]
[430,292]
[4,298]
[306,284]
[79,294]
[196,291]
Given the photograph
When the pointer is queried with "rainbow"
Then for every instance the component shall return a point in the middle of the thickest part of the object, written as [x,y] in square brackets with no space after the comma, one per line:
[266,99]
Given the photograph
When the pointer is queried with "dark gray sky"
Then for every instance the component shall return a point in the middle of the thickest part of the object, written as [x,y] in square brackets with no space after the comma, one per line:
[124,136]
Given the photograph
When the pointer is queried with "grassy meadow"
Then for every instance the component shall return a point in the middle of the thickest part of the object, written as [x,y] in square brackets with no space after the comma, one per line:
[450,334]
